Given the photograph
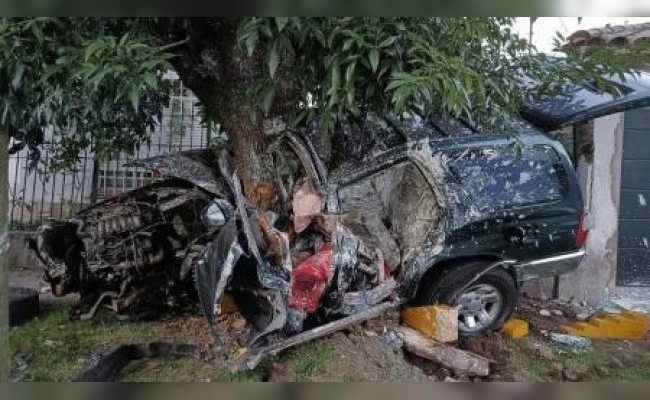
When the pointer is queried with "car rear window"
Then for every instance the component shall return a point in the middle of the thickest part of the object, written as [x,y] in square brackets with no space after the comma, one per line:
[510,176]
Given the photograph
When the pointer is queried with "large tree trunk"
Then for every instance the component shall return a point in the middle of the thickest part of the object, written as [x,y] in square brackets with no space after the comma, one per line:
[219,72]
[4,253]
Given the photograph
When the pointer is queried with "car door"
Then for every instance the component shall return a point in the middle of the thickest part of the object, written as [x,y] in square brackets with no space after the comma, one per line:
[519,198]
[396,205]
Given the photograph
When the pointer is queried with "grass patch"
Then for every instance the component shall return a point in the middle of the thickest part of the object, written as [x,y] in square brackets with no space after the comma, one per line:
[57,349]
[309,359]
[538,360]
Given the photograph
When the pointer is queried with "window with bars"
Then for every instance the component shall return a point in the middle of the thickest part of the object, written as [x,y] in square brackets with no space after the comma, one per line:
[113,182]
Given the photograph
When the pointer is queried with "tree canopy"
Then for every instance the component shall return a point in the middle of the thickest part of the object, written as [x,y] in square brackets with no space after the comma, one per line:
[95,89]
[98,81]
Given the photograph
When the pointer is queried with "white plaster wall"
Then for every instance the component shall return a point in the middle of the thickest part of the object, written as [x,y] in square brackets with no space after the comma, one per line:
[594,279]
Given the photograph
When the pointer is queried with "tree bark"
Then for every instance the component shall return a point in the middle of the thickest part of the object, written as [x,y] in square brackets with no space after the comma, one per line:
[4,254]
[219,72]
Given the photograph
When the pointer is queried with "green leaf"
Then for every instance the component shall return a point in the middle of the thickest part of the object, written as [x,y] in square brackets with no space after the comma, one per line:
[373,57]
[336,76]
[281,22]
[18,76]
[266,30]
[348,43]
[134,97]
[92,48]
[349,72]
[150,80]
[123,39]
[350,96]
[251,40]
[389,41]
[97,77]
[274,59]
[38,33]
[268,100]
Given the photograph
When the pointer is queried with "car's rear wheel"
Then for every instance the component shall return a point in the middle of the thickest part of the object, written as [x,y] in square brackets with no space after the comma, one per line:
[483,305]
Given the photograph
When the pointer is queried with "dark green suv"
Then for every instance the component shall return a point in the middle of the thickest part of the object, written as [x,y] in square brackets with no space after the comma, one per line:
[464,218]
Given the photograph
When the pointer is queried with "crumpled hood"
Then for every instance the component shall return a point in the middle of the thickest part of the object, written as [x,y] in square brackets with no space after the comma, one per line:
[195,166]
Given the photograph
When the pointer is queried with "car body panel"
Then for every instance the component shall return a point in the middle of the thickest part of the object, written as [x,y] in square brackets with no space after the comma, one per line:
[195,166]
[550,266]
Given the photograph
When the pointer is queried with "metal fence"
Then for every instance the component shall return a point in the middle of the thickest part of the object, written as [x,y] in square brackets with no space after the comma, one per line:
[36,197]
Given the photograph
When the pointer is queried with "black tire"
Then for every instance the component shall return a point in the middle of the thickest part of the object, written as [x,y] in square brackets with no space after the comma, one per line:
[453,281]
[23,305]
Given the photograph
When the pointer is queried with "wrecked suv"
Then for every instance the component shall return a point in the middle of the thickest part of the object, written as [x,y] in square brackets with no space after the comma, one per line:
[418,214]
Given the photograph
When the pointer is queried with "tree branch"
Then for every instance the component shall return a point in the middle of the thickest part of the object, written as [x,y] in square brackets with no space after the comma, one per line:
[175,44]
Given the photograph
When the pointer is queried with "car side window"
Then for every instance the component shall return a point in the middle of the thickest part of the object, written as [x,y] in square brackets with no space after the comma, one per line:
[504,177]
[356,139]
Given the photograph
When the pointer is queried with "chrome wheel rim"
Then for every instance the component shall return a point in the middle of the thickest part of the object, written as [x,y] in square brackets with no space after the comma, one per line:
[478,307]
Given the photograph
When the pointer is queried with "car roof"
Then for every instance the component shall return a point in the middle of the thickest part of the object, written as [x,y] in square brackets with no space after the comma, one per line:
[357,168]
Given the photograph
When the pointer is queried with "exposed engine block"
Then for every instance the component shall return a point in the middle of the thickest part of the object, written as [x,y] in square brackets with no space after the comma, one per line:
[122,236]
[128,220]
[129,248]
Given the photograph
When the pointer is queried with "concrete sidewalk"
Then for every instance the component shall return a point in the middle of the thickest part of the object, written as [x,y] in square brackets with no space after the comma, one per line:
[629,298]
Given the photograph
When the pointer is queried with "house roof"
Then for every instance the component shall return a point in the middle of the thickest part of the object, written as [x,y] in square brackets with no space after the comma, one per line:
[617,35]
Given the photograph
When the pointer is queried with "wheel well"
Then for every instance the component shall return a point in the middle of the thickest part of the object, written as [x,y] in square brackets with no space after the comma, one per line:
[434,271]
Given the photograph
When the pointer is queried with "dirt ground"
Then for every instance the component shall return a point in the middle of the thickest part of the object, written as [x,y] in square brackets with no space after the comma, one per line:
[53,348]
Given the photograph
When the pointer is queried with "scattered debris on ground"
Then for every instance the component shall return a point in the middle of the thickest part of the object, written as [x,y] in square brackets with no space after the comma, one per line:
[50,348]
[515,328]
[573,342]
[109,365]
[540,318]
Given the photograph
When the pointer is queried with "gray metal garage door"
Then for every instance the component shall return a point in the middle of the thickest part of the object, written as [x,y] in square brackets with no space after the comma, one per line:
[633,267]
